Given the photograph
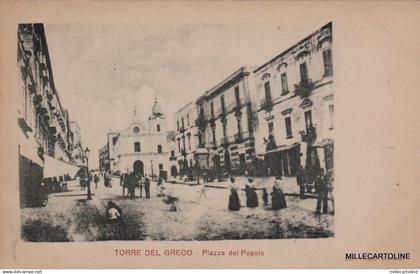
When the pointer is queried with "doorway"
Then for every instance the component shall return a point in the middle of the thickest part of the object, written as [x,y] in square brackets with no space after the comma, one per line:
[138,167]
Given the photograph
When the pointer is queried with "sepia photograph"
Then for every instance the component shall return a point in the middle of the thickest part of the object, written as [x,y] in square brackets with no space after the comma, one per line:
[186,132]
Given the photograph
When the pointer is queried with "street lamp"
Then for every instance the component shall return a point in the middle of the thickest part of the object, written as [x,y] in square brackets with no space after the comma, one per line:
[89,193]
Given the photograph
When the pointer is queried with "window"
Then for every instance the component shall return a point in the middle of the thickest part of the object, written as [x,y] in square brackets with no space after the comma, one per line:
[328,68]
[136,129]
[137,147]
[267,90]
[179,146]
[182,123]
[212,109]
[222,102]
[189,142]
[308,119]
[177,125]
[331,109]
[160,166]
[172,153]
[237,96]
[303,72]
[284,86]
[270,128]
[159,148]
[188,119]
[288,123]
[157,128]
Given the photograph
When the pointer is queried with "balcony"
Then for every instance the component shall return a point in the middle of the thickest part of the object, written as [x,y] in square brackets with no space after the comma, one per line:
[32,88]
[304,88]
[201,122]
[37,100]
[308,136]
[212,121]
[172,158]
[267,104]
[224,141]
[270,143]
[238,138]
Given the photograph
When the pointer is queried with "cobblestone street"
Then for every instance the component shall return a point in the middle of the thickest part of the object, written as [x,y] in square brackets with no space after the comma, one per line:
[69,217]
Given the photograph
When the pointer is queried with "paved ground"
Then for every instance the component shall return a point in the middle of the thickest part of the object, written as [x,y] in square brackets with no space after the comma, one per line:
[69,217]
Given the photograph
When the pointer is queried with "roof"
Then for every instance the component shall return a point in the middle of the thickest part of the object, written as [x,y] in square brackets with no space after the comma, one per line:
[329,25]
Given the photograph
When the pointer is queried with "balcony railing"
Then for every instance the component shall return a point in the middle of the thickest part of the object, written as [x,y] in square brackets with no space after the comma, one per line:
[267,103]
[304,88]
[270,143]
[238,138]
[309,136]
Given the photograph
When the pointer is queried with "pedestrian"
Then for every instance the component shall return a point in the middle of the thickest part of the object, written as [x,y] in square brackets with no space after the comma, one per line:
[96,180]
[278,200]
[321,187]
[234,203]
[170,198]
[232,184]
[251,197]
[140,184]
[147,187]
[202,191]
[265,197]
[107,179]
[113,212]
[301,181]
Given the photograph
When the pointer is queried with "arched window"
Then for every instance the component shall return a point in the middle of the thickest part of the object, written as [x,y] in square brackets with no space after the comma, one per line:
[137,147]
[157,128]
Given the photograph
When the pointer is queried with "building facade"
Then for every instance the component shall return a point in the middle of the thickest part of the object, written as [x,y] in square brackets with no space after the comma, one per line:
[225,123]
[186,136]
[104,158]
[141,148]
[79,156]
[295,115]
[42,120]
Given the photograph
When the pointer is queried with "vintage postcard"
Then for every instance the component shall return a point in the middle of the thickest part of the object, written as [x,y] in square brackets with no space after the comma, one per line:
[238,134]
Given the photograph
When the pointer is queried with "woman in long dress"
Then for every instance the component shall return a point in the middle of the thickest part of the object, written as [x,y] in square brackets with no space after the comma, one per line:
[278,200]
[234,203]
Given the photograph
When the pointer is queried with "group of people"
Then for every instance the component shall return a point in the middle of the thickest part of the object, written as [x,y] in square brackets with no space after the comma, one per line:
[323,185]
[278,200]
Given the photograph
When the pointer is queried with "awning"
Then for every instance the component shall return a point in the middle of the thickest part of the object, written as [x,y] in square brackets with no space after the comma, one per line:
[279,148]
[55,168]
[28,148]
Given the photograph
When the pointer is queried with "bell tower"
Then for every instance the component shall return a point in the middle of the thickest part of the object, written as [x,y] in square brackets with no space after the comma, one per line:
[157,121]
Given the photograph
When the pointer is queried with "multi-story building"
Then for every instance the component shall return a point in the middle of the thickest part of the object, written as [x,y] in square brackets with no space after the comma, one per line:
[41,118]
[79,156]
[141,148]
[295,116]
[186,137]
[104,158]
[225,123]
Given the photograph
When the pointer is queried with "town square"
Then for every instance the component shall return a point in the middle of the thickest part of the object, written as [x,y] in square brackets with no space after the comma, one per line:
[144,142]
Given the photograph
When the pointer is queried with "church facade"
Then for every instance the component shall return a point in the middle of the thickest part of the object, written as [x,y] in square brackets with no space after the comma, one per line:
[146,149]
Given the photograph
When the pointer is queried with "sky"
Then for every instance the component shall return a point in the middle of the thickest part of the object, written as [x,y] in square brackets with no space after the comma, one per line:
[101,72]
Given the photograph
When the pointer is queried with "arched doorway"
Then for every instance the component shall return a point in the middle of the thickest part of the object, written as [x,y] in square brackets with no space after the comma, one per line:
[174,171]
[138,167]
